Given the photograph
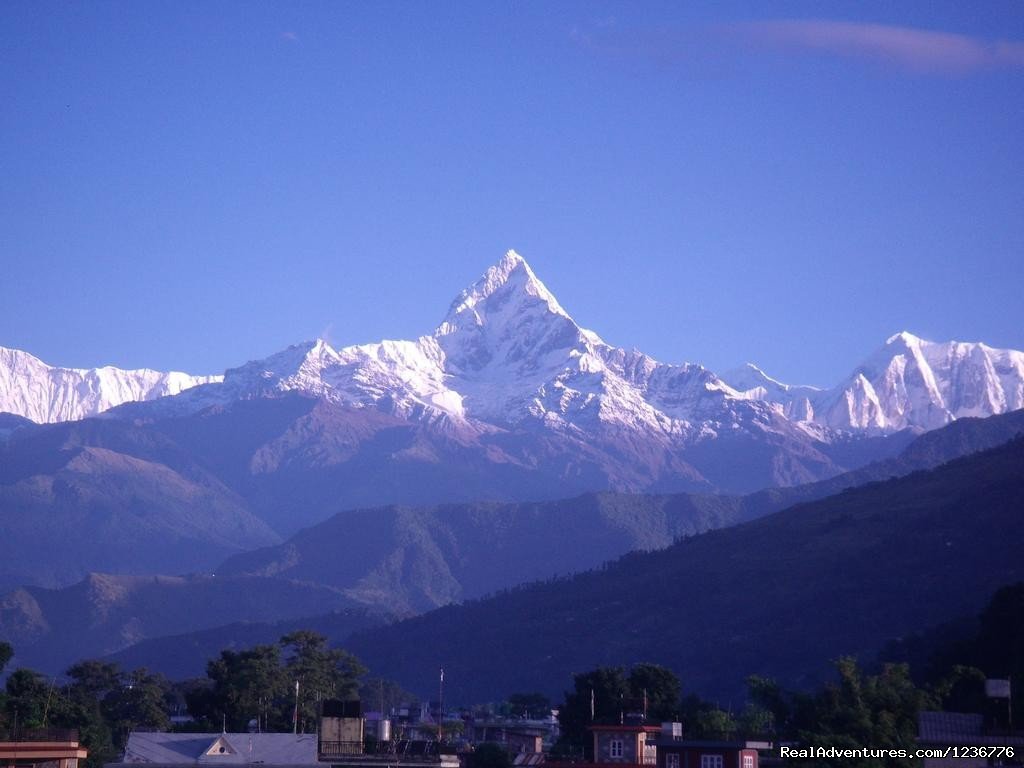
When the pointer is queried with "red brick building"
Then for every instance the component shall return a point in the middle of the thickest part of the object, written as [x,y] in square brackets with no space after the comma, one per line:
[708,754]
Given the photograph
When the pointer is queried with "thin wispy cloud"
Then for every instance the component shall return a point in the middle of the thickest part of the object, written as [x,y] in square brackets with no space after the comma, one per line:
[291,37]
[327,333]
[908,48]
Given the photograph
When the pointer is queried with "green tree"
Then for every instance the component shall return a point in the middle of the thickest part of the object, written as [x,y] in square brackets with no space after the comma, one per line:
[859,710]
[598,696]
[247,685]
[258,684]
[139,702]
[661,689]
[321,672]
[703,720]
[29,700]
[6,654]
[376,693]
[98,701]
[962,689]
[1000,644]
[529,705]
[90,683]
[611,694]
[770,711]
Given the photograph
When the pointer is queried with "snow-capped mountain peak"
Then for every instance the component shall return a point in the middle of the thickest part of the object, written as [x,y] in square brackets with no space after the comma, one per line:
[749,376]
[300,366]
[508,286]
[792,400]
[509,323]
[905,338]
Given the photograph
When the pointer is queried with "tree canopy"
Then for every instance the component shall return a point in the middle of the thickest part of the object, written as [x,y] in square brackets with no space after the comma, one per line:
[608,694]
[258,685]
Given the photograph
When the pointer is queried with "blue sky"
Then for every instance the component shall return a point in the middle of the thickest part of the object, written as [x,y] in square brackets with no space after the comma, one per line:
[192,185]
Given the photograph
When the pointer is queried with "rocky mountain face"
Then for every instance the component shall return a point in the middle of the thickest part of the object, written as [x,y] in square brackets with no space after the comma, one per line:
[45,394]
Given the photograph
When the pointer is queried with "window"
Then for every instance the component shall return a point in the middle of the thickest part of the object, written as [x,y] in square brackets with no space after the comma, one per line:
[710,761]
[615,748]
[650,754]
[672,760]
[748,761]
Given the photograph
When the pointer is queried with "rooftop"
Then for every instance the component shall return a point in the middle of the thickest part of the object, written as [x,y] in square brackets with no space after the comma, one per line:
[961,728]
[221,748]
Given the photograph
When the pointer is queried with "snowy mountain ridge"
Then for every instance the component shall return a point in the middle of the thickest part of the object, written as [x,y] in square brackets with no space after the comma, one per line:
[908,383]
[508,356]
[46,394]
[911,382]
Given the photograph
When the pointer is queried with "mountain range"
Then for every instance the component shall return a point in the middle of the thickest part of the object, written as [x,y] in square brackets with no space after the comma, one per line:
[507,354]
[405,475]
[45,394]
[507,400]
[397,561]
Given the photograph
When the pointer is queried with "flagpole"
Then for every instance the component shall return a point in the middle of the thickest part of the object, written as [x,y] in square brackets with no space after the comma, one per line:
[295,712]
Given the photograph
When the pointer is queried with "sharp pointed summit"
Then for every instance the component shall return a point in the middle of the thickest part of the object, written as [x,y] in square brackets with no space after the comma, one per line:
[509,285]
[904,337]
[509,324]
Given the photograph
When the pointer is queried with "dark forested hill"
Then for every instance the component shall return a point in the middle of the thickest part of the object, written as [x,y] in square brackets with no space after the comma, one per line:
[779,596]
[418,558]
[183,656]
[412,559]
[104,613]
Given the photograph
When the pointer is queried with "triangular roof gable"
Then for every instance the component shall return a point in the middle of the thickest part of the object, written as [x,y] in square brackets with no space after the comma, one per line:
[220,747]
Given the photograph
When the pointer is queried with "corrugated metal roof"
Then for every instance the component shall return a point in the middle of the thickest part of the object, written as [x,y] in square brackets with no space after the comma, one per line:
[960,728]
[205,748]
[947,726]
